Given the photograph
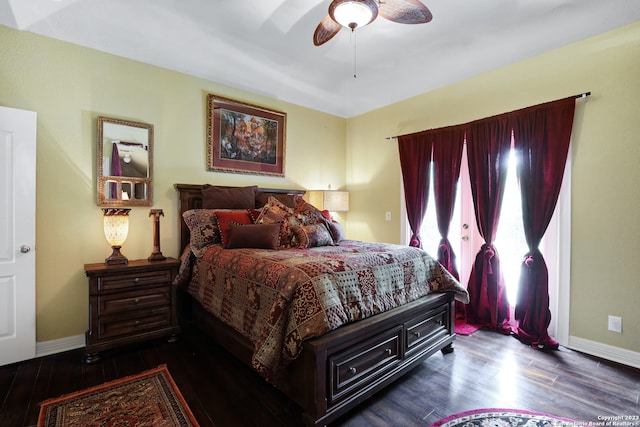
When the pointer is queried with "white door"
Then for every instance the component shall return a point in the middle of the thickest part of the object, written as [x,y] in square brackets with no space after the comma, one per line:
[17,235]
[468,237]
[464,236]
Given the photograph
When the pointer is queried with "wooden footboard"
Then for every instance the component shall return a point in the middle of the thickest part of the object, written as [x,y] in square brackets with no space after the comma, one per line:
[339,370]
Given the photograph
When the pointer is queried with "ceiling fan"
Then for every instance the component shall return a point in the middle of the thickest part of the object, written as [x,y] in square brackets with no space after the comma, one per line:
[358,13]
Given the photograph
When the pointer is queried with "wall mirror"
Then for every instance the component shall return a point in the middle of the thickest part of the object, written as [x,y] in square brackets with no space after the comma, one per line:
[124,163]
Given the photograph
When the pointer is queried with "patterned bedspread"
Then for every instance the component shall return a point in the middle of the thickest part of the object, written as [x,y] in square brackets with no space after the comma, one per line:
[277,299]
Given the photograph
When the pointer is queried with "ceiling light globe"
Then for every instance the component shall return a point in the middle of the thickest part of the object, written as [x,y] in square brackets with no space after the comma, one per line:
[353,13]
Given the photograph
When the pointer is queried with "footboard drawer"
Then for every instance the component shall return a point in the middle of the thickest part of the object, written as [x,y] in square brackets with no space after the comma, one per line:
[363,363]
[425,331]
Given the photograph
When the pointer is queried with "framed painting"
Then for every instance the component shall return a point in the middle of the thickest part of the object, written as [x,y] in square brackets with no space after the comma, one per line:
[244,138]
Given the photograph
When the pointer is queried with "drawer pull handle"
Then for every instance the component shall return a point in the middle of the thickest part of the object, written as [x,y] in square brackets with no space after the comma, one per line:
[137,300]
[417,334]
[136,280]
[387,351]
[137,322]
[352,370]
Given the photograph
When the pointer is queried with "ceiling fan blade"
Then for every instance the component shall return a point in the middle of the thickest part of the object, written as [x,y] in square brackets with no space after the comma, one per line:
[325,31]
[405,11]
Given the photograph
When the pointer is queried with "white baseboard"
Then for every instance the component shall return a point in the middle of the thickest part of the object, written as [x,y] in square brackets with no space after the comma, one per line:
[46,348]
[608,352]
[605,351]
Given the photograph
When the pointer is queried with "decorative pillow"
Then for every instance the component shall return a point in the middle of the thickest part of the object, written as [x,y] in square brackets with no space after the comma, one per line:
[218,197]
[187,259]
[337,231]
[276,211]
[314,235]
[288,200]
[261,236]
[203,229]
[255,214]
[309,214]
[224,218]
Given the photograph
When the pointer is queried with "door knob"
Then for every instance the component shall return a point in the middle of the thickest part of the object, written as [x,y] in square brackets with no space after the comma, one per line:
[24,249]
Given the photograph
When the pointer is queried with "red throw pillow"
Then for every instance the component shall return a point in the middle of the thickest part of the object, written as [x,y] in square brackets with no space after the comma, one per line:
[224,218]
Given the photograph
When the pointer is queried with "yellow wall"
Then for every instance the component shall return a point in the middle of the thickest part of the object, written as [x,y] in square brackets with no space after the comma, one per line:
[69,86]
[605,229]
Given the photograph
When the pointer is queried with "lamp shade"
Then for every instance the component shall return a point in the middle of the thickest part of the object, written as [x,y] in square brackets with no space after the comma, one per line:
[353,13]
[116,229]
[116,225]
[329,200]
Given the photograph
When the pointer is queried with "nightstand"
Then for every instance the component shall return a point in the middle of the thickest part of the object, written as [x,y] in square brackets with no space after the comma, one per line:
[130,303]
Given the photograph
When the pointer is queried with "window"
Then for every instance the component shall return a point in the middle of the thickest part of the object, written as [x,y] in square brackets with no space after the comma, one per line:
[510,241]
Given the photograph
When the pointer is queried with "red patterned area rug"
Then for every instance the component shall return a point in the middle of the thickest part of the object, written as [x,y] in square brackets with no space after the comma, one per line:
[150,398]
[504,418]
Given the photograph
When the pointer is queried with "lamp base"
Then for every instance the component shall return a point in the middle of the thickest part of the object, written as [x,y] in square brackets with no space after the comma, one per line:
[156,256]
[116,257]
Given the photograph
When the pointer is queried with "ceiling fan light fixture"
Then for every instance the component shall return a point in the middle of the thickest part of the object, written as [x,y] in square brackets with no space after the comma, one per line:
[358,13]
[353,13]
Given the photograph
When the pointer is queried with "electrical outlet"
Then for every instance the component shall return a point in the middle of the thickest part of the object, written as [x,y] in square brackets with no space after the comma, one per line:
[615,324]
[387,216]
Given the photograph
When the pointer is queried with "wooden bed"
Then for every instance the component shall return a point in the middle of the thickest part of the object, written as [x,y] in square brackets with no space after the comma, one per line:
[337,371]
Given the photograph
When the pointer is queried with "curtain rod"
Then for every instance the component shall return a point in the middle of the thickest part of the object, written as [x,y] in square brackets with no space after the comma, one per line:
[578,96]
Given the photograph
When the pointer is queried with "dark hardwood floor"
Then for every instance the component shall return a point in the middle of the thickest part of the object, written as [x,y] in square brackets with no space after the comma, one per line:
[487,370]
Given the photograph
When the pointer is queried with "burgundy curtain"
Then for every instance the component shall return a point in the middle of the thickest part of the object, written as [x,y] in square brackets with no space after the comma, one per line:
[488,146]
[116,170]
[447,156]
[541,137]
[415,162]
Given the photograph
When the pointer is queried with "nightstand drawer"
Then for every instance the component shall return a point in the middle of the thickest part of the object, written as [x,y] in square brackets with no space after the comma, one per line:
[128,301]
[121,281]
[138,322]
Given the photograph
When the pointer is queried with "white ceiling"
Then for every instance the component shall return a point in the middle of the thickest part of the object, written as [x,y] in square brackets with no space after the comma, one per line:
[266,47]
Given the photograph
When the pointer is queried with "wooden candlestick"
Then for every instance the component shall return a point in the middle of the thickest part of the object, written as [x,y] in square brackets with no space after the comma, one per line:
[156,255]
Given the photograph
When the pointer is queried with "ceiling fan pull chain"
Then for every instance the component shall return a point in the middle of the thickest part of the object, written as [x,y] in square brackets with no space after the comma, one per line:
[353,32]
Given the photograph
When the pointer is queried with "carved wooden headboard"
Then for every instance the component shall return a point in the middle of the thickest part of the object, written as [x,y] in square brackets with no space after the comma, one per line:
[190,197]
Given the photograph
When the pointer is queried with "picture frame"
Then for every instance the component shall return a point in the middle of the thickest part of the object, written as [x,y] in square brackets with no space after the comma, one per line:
[244,138]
